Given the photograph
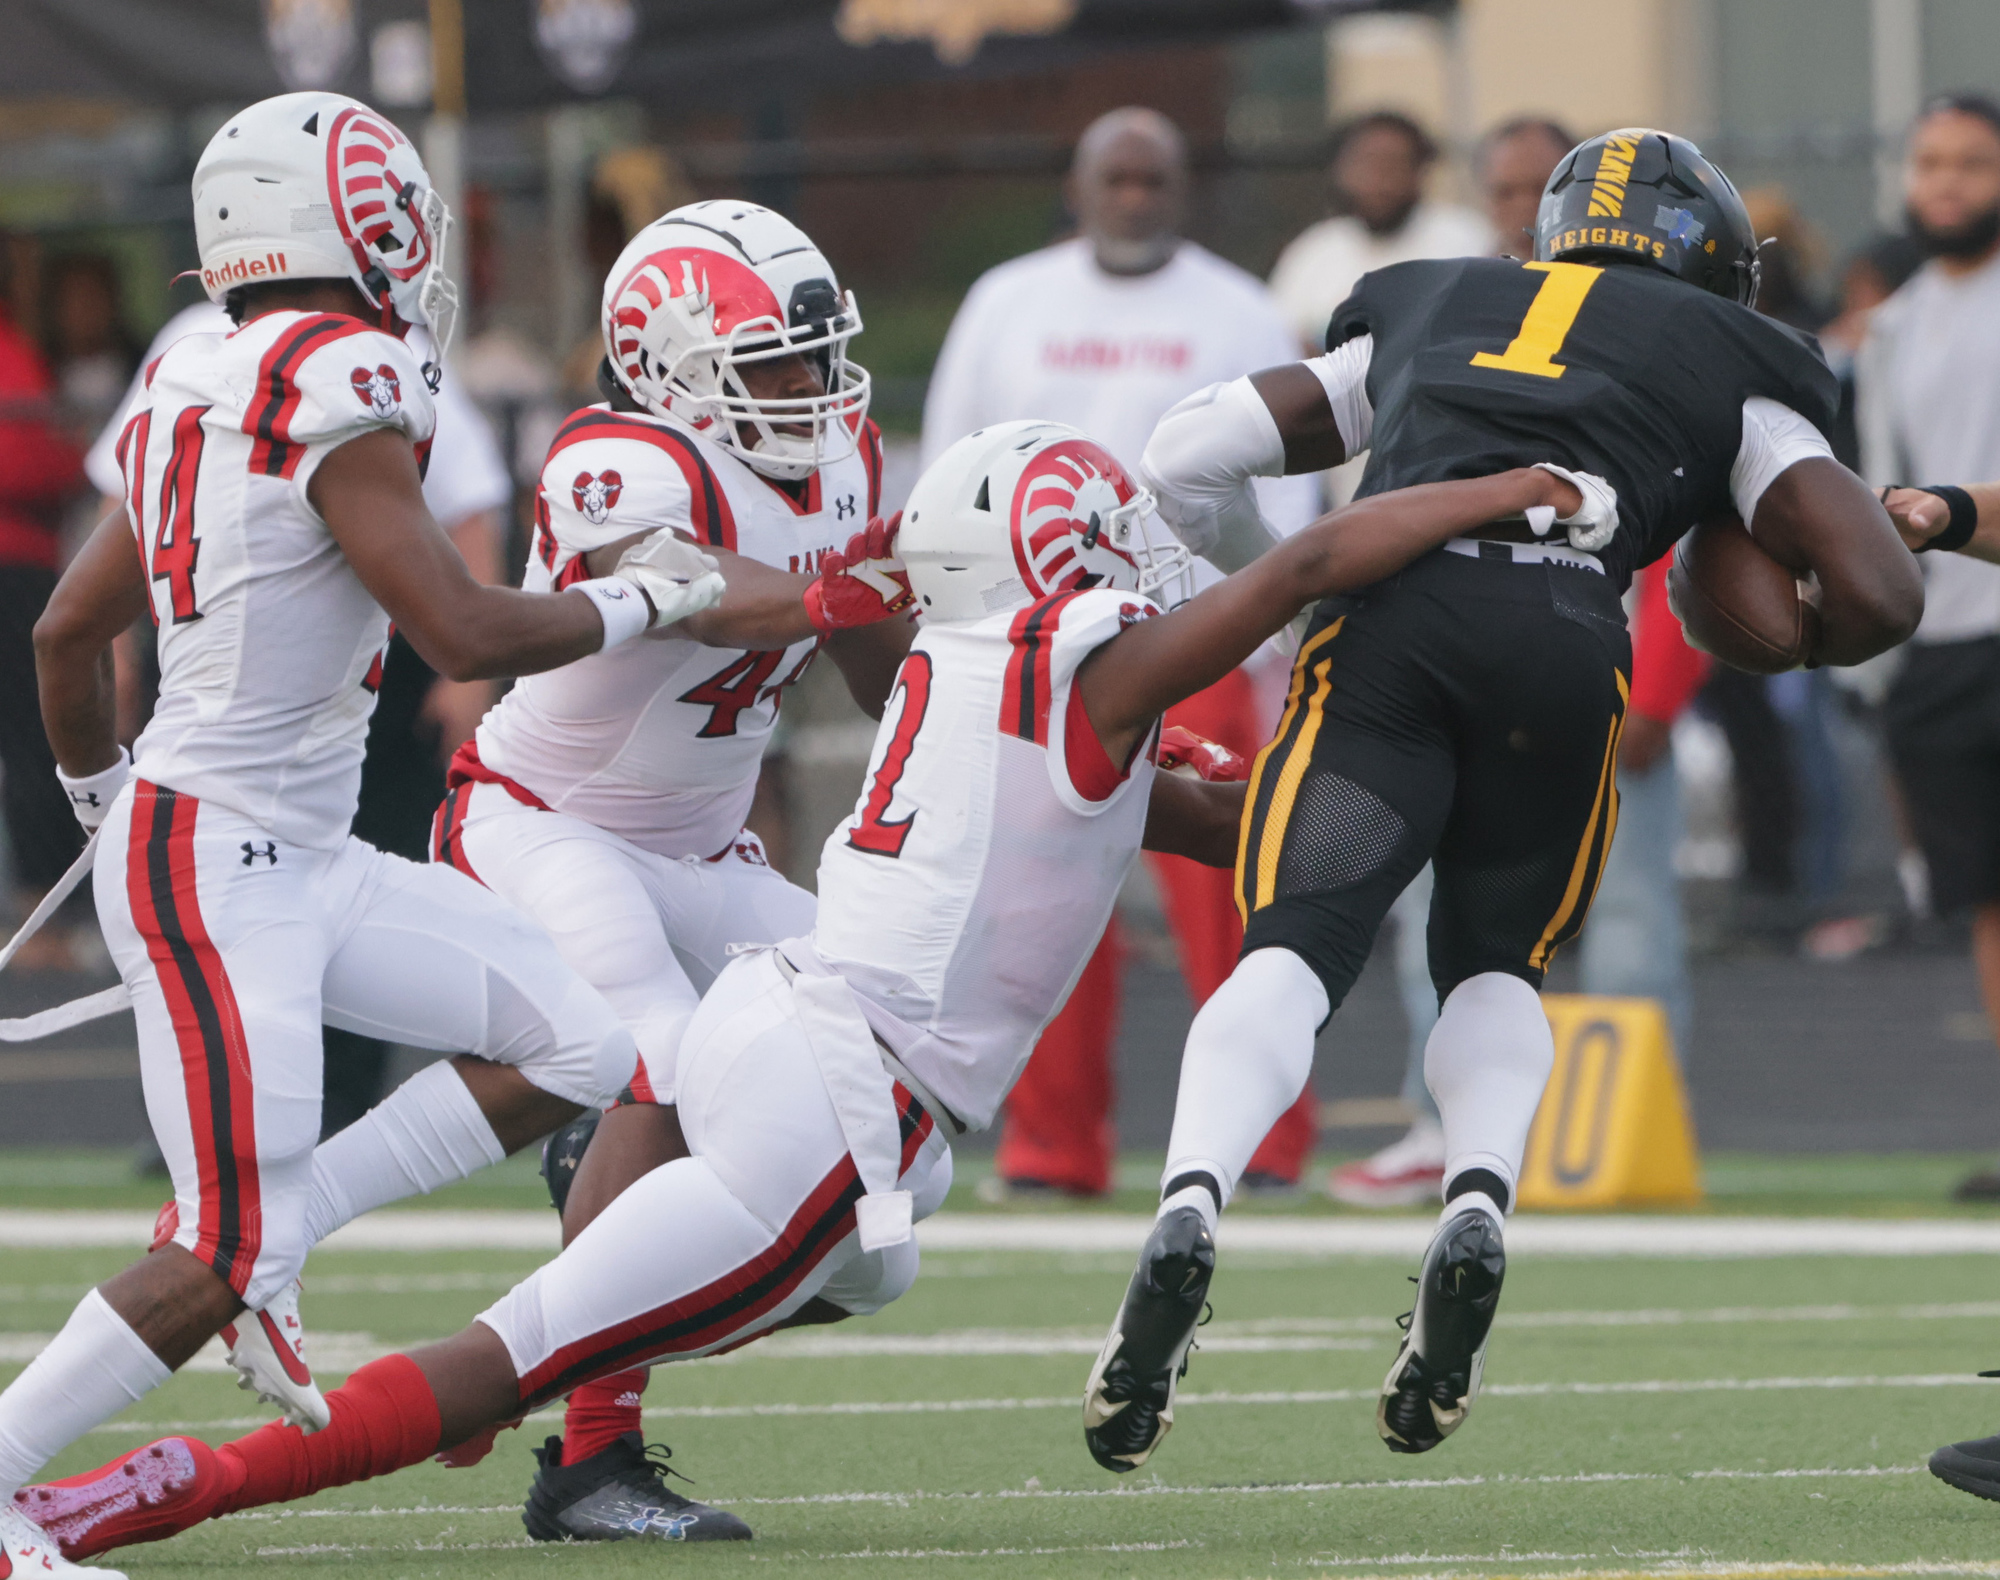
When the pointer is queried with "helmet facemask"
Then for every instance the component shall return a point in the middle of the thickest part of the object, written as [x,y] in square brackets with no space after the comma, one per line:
[1162,568]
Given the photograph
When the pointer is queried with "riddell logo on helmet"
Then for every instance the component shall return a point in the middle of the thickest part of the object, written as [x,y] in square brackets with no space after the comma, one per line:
[264,268]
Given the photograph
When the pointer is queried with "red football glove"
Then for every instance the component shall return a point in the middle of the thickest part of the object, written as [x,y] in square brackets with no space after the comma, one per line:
[1183,749]
[861,583]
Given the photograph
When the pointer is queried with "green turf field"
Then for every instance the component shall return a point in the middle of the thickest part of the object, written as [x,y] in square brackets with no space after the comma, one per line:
[1641,1417]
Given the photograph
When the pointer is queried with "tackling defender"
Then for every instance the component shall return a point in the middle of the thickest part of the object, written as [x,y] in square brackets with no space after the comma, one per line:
[1011,784]
[276,525]
[606,799]
[1467,712]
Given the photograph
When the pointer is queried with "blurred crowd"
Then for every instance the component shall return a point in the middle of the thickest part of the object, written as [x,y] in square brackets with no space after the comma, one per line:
[1107,329]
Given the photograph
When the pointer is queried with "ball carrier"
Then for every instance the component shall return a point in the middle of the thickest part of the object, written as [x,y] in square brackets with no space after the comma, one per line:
[1467,710]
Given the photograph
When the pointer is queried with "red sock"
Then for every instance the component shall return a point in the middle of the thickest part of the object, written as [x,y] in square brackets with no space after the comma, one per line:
[601,1412]
[384,1417]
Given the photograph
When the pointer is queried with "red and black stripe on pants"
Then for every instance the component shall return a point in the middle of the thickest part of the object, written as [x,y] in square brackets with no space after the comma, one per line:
[208,1030]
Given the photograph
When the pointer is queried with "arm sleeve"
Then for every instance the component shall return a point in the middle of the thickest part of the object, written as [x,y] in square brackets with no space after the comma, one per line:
[1344,373]
[1774,438]
[350,386]
[1666,672]
[600,490]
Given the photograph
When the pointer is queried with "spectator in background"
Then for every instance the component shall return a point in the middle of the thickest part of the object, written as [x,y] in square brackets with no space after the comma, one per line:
[1106,332]
[1381,162]
[420,718]
[1928,382]
[39,467]
[93,354]
[1516,160]
[1635,943]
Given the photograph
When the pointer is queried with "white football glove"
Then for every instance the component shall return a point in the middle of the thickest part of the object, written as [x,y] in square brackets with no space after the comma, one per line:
[1595,523]
[678,578]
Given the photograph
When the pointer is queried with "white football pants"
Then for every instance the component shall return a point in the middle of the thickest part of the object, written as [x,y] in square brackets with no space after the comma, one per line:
[649,932]
[236,947]
[709,1251]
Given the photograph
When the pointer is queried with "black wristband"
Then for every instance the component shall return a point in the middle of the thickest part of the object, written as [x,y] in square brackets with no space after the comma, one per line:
[1963,523]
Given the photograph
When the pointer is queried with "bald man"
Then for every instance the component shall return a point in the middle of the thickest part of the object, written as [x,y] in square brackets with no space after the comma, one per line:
[1105,332]
[1516,160]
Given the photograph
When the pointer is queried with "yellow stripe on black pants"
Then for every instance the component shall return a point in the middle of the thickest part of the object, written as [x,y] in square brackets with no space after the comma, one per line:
[1274,781]
[1588,867]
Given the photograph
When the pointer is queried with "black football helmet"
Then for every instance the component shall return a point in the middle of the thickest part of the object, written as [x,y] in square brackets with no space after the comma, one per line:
[1649,196]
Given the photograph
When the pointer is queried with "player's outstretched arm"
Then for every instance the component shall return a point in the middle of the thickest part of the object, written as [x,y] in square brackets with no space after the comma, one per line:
[370,495]
[1924,519]
[1144,670]
[1818,518]
[763,608]
[101,594]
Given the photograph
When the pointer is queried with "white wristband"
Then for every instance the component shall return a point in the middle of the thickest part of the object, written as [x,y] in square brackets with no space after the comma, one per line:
[621,606]
[90,797]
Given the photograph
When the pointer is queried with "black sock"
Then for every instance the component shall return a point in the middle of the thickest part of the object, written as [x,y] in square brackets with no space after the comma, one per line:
[1201,1177]
[1480,1180]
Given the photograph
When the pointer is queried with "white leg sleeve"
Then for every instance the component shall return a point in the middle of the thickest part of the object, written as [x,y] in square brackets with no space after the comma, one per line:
[1248,1056]
[1488,1060]
[428,1132]
[89,1372]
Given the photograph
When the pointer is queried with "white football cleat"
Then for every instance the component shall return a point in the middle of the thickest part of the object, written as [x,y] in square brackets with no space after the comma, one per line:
[268,1351]
[27,1552]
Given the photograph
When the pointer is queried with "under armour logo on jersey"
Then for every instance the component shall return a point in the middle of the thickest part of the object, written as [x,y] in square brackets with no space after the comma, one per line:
[88,798]
[251,854]
[597,496]
[380,391]
[843,507]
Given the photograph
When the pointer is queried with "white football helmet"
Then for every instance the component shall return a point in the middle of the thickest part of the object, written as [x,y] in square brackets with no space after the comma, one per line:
[1015,512]
[313,186]
[712,286]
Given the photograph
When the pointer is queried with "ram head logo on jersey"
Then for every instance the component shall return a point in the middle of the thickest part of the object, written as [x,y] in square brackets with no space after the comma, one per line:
[379,390]
[1073,517]
[597,496]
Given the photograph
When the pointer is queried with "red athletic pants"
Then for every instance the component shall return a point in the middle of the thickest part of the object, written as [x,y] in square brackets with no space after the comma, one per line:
[1058,1128]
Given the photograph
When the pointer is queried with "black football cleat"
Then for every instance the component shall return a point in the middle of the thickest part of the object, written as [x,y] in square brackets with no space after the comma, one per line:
[563,1151]
[1435,1377]
[619,1495]
[1128,1404]
[1972,1466]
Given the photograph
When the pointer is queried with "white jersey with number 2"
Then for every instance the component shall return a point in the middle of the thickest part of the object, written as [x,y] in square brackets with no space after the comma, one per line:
[270,647]
[965,892]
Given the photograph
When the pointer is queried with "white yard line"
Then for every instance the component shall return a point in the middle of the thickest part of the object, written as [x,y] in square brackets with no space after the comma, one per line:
[862,1407]
[1678,1237]
[1160,1490]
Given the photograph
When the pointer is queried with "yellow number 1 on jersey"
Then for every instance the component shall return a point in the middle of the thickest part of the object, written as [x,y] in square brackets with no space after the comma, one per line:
[1547,322]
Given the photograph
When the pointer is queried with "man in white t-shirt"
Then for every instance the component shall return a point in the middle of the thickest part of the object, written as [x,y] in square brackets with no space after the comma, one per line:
[1928,386]
[1106,332]
[1380,164]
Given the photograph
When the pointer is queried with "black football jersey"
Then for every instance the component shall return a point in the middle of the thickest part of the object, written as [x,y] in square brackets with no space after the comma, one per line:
[1482,364]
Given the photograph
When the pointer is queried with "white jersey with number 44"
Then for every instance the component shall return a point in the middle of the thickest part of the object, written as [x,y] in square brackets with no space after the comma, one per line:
[270,647]
[969,886]
[659,741]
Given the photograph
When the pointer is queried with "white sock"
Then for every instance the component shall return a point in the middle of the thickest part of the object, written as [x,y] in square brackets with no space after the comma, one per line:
[1486,1063]
[1249,1053]
[89,1372]
[1472,1200]
[1195,1196]
[428,1132]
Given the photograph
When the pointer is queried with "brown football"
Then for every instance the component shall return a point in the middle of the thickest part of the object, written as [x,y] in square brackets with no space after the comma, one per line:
[1738,603]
